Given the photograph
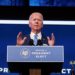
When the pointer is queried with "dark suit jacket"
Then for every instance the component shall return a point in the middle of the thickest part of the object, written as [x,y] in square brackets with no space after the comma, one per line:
[29,41]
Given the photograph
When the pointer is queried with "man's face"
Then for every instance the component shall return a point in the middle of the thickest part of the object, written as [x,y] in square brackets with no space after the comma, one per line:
[36,22]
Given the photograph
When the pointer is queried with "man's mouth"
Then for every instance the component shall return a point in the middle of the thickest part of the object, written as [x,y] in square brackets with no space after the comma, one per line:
[35,25]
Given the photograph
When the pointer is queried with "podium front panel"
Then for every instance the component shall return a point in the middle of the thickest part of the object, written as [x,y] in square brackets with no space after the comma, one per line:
[35,54]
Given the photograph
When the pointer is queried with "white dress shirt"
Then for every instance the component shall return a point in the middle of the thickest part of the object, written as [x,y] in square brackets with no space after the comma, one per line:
[39,35]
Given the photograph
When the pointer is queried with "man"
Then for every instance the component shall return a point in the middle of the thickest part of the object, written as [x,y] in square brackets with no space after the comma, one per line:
[36,24]
[35,37]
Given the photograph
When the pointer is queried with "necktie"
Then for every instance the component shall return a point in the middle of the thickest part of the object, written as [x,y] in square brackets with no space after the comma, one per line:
[35,39]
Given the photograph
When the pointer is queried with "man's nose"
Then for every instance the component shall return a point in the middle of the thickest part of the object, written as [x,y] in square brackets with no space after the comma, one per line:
[36,21]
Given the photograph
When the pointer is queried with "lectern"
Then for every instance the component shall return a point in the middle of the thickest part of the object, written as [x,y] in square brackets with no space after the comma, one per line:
[35,60]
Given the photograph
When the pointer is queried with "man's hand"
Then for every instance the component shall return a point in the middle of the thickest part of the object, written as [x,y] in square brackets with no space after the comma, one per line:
[20,40]
[51,41]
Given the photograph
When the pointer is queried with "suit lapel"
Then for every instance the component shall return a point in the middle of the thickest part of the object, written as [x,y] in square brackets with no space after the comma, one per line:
[40,42]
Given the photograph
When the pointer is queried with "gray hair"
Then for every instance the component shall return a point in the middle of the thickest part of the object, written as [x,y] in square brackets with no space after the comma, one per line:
[36,13]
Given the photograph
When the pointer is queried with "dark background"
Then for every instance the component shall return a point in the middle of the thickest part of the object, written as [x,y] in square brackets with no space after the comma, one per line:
[51,9]
[50,13]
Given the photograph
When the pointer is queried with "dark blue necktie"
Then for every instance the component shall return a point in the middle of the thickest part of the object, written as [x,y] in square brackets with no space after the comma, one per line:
[35,39]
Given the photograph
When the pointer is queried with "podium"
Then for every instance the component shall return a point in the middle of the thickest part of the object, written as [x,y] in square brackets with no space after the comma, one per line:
[35,60]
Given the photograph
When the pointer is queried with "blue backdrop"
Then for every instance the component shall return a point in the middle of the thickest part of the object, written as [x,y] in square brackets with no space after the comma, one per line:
[59,3]
[64,35]
[12,3]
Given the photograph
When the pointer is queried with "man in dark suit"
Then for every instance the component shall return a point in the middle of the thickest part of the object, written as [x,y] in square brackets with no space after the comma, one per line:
[35,37]
[36,24]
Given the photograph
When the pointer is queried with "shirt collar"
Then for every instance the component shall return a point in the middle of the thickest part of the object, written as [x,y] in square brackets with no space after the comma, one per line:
[39,35]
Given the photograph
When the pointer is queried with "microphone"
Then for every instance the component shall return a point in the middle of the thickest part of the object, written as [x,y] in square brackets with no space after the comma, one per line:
[39,42]
[31,42]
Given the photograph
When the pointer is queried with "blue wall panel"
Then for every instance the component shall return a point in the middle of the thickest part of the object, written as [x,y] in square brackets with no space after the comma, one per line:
[64,35]
[37,3]
[12,3]
[52,3]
